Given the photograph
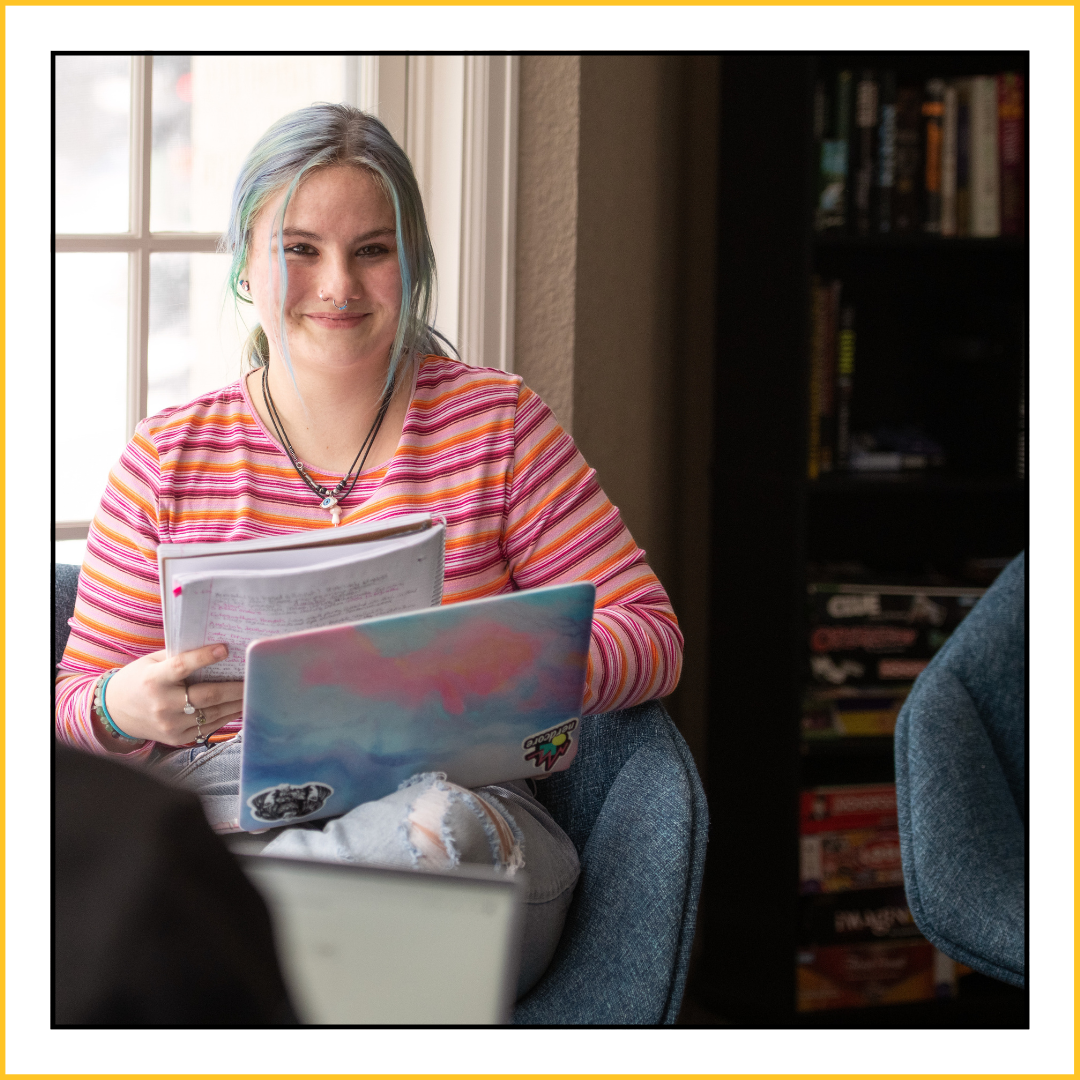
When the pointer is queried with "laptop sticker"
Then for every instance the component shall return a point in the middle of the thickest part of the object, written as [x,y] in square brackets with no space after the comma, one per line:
[287,802]
[548,746]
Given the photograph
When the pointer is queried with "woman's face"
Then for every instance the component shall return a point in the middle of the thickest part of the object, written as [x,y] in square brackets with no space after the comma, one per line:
[341,254]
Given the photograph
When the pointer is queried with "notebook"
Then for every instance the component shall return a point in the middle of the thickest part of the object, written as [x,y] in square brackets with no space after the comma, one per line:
[366,945]
[485,690]
[238,591]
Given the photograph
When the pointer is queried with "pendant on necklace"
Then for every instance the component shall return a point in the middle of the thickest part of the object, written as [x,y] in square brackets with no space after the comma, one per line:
[330,503]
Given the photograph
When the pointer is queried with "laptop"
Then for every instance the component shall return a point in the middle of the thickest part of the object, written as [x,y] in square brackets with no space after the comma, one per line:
[483,691]
[366,945]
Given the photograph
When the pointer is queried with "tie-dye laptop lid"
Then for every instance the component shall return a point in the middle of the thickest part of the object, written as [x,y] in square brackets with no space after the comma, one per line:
[483,691]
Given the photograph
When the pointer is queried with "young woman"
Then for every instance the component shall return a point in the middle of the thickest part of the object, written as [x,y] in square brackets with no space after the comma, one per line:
[349,412]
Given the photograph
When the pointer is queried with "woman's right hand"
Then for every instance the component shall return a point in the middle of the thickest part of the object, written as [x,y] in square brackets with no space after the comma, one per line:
[146,698]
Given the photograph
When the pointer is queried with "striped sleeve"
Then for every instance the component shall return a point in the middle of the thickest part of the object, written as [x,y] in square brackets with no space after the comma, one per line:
[118,608]
[560,527]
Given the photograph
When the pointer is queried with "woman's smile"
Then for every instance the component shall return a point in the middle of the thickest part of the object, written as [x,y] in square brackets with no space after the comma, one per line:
[336,322]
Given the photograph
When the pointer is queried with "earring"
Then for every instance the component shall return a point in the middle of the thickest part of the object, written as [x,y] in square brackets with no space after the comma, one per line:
[246,286]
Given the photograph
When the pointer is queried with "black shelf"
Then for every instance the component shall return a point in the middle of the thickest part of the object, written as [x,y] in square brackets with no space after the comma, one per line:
[981,1004]
[862,760]
[848,746]
[941,344]
[907,482]
[987,1007]
[923,242]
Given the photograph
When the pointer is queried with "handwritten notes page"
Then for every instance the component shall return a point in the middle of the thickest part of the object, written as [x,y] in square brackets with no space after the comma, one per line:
[237,606]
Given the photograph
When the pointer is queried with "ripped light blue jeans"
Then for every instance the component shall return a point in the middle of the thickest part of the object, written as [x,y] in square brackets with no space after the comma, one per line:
[428,823]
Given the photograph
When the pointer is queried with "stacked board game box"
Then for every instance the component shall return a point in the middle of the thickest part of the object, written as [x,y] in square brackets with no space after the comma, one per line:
[859,943]
[876,973]
[835,711]
[848,838]
[880,635]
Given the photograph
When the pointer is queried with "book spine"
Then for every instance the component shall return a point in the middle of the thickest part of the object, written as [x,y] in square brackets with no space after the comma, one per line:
[963,157]
[833,197]
[948,161]
[906,204]
[821,132]
[845,373]
[844,107]
[827,438]
[1010,93]
[817,358]
[985,201]
[933,110]
[866,121]
[821,110]
[886,174]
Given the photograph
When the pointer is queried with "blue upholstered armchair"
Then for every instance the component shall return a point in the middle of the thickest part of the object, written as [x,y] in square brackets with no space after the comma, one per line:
[635,809]
[961,787]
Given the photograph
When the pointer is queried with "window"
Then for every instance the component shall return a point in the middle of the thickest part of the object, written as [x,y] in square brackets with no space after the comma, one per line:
[146,151]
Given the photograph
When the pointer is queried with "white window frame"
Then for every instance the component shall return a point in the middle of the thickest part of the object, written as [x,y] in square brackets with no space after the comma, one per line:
[411,94]
[139,243]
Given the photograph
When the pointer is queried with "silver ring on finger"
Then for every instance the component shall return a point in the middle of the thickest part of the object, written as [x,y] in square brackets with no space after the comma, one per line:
[189,709]
[200,719]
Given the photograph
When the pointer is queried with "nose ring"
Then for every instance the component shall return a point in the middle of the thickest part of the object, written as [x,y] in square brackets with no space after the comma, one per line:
[330,300]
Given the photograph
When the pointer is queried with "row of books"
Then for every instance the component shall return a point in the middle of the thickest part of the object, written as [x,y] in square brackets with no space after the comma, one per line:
[858,943]
[945,157]
[833,445]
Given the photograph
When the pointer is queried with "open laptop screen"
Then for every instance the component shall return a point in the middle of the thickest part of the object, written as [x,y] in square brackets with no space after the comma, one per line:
[362,945]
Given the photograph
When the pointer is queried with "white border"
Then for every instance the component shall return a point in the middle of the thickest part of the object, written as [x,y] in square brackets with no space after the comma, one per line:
[1048,32]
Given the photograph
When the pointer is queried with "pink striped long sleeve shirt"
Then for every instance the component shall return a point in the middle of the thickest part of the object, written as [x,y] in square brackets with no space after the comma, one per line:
[522,508]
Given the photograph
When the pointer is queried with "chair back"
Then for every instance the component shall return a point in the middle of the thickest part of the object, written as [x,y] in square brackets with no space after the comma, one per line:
[66,585]
[961,788]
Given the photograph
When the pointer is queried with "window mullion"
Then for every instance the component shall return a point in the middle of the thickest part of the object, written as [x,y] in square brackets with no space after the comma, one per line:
[142,74]
[207,242]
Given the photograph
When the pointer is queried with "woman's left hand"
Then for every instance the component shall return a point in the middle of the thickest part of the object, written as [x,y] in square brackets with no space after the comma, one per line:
[147,698]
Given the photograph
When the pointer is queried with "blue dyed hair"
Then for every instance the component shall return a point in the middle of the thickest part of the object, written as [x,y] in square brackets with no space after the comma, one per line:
[318,137]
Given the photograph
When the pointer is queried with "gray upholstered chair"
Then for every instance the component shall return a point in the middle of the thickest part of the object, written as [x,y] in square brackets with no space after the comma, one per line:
[961,787]
[635,809]
[66,584]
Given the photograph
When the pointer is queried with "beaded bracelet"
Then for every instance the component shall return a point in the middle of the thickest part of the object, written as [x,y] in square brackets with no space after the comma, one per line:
[102,713]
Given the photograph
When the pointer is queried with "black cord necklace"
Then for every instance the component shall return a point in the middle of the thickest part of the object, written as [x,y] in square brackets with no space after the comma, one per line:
[331,497]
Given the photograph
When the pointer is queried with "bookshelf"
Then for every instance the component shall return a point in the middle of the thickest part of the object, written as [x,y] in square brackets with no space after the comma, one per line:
[941,347]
